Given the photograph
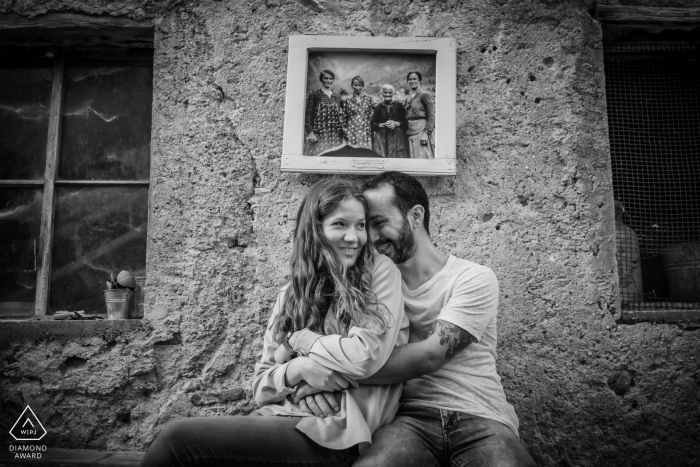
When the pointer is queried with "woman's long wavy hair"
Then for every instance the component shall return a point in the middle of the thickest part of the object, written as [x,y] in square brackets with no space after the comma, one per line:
[319,276]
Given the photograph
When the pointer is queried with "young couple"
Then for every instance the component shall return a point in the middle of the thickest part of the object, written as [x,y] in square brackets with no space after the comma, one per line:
[364,273]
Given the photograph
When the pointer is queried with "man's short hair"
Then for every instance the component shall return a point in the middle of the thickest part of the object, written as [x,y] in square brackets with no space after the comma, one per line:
[408,192]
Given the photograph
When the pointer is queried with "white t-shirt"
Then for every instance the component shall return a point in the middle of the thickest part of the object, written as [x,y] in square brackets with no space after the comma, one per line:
[466,295]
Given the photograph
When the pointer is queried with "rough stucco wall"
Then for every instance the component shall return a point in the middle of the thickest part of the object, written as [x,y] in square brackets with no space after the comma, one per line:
[532,200]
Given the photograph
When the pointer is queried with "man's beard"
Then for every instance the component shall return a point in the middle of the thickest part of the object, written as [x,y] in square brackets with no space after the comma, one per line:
[401,249]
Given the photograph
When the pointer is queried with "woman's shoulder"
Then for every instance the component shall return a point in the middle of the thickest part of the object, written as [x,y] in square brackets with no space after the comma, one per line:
[423,94]
[283,291]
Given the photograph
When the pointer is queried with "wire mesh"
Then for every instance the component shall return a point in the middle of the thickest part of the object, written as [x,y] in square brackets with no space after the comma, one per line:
[653,98]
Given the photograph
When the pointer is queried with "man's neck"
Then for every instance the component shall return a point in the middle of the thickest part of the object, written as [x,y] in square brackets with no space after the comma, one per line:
[423,265]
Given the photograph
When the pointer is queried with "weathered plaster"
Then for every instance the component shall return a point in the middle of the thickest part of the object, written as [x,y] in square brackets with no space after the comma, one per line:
[532,200]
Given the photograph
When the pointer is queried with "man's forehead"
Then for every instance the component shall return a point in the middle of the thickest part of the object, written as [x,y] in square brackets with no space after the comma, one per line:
[381,201]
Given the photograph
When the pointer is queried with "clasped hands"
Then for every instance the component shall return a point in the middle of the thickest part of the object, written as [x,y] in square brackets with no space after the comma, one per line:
[319,392]
[390,124]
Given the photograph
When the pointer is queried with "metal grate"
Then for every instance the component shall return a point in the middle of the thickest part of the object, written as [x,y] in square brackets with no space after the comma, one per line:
[653,95]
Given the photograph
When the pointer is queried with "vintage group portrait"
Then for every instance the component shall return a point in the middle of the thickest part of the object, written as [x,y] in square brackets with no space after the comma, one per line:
[370,104]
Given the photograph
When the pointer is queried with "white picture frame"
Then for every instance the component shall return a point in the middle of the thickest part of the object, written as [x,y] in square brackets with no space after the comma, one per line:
[444,50]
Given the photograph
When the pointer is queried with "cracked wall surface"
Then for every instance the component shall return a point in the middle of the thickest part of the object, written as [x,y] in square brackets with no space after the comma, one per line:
[532,199]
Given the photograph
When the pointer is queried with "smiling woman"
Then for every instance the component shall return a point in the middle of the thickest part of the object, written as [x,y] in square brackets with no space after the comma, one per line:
[345,229]
[341,316]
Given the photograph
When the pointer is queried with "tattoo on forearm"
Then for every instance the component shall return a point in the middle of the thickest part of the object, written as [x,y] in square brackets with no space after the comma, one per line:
[454,337]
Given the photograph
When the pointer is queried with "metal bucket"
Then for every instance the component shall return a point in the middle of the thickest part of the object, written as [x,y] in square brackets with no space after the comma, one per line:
[682,268]
[118,303]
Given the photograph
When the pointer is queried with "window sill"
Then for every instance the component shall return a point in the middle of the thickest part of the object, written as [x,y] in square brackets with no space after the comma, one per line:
[32,330]
[690,318]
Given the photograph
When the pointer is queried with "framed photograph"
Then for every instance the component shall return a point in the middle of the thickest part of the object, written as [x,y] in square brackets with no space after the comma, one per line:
[365,105]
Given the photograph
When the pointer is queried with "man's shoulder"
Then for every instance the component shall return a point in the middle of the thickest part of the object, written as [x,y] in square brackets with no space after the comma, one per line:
[465,270]
[464,265]
[383,263]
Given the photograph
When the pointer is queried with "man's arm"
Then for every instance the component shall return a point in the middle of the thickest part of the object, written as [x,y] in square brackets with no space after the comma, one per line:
[406,362]
[420,358]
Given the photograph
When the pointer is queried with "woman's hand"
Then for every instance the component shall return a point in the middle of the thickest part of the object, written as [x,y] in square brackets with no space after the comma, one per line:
[317,375]
[311,137]
[424,139]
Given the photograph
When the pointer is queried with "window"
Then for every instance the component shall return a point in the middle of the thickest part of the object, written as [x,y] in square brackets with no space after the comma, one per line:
[74,175]
[653,99]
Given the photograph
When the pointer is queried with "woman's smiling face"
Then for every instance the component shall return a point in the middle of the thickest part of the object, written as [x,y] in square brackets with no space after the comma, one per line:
[413,81]
[345,229]
[327,80]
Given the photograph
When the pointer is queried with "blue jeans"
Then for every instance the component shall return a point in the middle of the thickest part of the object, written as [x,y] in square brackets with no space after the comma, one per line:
[240,441]
[427,437]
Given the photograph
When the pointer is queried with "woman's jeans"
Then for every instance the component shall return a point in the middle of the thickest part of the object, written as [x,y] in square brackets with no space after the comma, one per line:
[240,441]
[426,437]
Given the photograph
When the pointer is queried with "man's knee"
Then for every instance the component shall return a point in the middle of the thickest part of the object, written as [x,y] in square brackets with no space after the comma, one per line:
[505,449]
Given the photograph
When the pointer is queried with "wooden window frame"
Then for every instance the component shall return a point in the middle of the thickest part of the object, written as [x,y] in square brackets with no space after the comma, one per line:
[85,37]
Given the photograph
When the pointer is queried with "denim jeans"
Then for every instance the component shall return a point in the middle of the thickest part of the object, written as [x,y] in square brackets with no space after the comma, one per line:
[427,437]
[240,441]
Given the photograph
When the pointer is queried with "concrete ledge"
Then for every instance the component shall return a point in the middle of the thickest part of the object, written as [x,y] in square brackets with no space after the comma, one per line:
[683,317]
[17,331]
[57,457]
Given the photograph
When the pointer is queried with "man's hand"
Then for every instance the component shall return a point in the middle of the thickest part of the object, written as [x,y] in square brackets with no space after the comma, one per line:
[304,389]
[322,404]
[282,355]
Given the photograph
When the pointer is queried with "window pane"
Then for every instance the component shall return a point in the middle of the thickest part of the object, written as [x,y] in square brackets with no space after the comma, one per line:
[107,121]
[97,231]
[20,217]
[653,99]
[25,96]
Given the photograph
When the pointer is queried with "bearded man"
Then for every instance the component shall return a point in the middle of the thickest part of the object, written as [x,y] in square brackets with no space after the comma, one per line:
[453,409]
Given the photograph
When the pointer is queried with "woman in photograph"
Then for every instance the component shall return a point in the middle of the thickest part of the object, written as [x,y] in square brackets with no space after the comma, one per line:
[358,113]
[324,123]
[341,316]
[420,112]
[389,125]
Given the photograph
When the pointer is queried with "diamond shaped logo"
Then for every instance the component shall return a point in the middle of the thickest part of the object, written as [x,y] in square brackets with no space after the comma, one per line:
[28,427]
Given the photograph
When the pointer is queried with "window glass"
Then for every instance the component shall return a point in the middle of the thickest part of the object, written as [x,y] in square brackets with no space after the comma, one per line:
[107,121]
[98,232]
[25,96]
[20,216]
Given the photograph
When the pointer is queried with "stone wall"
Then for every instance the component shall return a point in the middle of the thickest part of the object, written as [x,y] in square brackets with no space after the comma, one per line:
[532,199]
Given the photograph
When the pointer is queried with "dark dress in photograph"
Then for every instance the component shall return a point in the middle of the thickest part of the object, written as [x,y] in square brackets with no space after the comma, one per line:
[325,117]
[387,142]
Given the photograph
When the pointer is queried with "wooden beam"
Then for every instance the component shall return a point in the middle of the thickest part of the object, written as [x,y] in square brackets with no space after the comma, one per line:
[643,14]
[70,20]
[55,457]
[43,283]
[145,183]
[22,183]
[72,29]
